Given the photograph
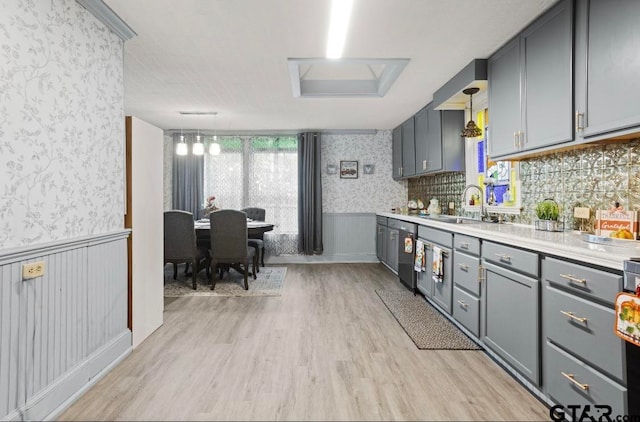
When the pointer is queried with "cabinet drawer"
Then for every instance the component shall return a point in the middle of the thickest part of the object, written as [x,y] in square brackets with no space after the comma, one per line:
[465,272]
[466,310]
[436,236]
[512,258]
[565,391]
[589,281]
[467,244]
[585,329]
[401,225]
[381,220]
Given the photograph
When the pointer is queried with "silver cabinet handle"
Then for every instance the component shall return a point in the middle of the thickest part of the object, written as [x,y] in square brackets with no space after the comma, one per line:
[464,267]
[574,278]
[503,257]
[424,164]
[571,378]
[515,139]
[572,316]
[464,245]
[464,305]
[481,274]
[579,121]
[521,138]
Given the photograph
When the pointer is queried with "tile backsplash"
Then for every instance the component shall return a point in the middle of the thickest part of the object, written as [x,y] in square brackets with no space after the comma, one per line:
[594,177]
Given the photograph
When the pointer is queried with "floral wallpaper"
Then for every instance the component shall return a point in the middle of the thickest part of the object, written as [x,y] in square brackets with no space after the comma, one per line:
[373,192]
[61,123]
[169,150]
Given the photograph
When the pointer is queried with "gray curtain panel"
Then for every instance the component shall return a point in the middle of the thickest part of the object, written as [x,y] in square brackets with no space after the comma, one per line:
[188,174]
[309,194]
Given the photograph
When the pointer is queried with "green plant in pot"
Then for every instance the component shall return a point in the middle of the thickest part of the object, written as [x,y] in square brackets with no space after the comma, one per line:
[549,211]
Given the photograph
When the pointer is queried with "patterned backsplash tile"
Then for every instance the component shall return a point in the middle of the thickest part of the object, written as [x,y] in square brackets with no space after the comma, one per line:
[594,177]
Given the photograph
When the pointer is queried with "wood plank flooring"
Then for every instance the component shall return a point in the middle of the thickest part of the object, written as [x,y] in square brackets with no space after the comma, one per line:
[327,349]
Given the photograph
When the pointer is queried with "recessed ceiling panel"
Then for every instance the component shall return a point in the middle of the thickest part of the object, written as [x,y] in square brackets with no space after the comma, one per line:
[344,77]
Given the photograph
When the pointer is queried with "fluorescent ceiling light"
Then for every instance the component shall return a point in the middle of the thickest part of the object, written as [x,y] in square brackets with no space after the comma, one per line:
[340,13]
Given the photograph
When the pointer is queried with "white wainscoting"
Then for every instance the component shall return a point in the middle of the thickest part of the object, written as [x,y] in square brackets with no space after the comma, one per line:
[62,331]
[349,237]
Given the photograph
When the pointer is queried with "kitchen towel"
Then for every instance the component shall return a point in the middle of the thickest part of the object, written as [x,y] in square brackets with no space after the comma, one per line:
[437,269]
[419,264]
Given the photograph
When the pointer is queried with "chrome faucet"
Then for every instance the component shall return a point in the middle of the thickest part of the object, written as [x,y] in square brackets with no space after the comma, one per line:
[483,212]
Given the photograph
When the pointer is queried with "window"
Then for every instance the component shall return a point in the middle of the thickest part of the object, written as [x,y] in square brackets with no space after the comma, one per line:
[261,172]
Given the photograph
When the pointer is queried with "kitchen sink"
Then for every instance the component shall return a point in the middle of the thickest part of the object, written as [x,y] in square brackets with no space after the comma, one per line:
[454,220]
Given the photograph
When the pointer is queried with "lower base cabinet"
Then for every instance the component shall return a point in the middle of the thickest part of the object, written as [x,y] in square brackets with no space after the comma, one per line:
[466,310]
[511,329]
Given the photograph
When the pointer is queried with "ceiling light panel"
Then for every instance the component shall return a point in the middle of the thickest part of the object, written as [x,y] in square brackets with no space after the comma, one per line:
[339,23]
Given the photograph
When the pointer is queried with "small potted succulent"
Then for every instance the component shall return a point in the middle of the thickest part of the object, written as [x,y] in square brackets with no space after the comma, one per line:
[548,212]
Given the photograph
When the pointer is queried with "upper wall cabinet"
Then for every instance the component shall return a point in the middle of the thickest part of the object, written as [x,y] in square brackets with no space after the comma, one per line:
[408,148]
[530,86]
[396,152]
[439,146]
[607,68]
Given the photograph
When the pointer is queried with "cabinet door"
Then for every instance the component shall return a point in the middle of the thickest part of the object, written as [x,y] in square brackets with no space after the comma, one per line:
[510,307]
[443,292]
[421,140]
[547,57]
[392,249]
[381,244]
[396,152]
[408,148]
[434,140]
[607,44]
[504,99]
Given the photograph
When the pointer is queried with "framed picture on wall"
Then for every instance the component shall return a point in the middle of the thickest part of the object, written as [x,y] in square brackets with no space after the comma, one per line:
[348,169]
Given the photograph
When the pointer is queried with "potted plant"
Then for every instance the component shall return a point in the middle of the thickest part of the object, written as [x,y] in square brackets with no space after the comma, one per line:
[548,211]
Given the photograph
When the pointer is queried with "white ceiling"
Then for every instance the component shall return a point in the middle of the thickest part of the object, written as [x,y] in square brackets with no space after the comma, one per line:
[230,56]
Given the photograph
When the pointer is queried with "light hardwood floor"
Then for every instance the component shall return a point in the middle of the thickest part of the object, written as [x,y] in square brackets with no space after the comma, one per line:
[327,349]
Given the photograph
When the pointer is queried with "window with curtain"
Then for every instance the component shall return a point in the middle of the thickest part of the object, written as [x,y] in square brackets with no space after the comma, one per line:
[258,171]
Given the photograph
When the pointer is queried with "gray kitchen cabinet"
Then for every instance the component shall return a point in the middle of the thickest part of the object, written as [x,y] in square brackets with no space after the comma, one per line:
[381,238]
[580,347]
[441,293]
[408,148]
[510,314]
[466,281]
[392,248]
[530,86]
[396,152]
[606,71]
[438,145]
[421,119]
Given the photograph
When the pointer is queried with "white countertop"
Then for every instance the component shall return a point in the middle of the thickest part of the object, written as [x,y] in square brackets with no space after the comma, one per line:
[562,244]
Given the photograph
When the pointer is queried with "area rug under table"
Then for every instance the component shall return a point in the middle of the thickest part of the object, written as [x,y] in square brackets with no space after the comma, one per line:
[269,282]
[425,325]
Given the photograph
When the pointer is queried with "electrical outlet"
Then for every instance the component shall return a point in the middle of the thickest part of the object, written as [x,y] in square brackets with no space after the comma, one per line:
[581,212]
[33,270]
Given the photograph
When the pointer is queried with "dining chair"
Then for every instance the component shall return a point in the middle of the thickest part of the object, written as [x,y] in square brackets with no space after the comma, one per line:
[229,236]
[180,244]
[257,241]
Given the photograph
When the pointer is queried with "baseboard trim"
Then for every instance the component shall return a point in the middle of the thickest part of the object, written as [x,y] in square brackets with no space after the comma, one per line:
[56,398]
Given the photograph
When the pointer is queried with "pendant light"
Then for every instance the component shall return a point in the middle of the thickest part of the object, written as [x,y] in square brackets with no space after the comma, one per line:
[182,148]
[471,130]
[198,147]
[214,147]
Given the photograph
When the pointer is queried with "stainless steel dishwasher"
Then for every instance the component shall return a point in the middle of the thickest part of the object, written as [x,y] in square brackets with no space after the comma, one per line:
[406,252]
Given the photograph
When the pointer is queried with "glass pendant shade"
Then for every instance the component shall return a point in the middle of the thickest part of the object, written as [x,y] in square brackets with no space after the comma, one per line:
[181,148]
[471,130]
[198,147]
[214,148]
